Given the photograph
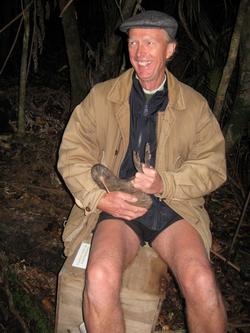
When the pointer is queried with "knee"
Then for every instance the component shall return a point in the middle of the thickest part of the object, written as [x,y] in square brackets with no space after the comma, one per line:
[199,285]
[101,282]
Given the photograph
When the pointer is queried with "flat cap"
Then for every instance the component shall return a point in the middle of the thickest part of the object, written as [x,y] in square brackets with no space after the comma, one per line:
[151,19]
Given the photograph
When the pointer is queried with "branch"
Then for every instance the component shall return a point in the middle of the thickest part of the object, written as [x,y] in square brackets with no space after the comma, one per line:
[32,42]
[231,59]
[225,260]
[13,309]
[6,289]
[185,26]
[138,7]
[12,46]
[65,8]
[120,10]
[239,224]
[17,17]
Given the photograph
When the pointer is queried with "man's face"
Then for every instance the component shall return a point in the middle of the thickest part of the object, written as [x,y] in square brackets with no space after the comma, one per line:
[148,51]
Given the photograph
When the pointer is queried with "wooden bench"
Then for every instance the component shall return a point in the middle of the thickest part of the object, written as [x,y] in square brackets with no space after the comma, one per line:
[143,290]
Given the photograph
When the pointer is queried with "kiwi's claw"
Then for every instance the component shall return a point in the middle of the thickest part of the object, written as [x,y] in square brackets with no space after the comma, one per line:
[137,160]
[147,155]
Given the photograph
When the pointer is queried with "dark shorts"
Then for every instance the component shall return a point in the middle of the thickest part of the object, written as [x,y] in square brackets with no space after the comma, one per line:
[145,234]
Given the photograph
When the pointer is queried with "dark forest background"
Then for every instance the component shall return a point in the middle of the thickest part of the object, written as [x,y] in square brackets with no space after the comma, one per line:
[83,36]
[51,53]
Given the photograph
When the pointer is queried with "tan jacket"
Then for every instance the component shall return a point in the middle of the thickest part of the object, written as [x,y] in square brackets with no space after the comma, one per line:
[190,155]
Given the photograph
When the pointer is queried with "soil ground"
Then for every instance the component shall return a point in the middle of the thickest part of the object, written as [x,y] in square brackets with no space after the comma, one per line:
[35,205]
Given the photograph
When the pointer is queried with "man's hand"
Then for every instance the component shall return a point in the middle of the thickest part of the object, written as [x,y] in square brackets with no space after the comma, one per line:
[148,181]
[120,204]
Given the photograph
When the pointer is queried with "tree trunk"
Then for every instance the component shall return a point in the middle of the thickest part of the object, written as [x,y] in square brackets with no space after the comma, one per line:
[129,8]
[79,86]
[23,72]
[240,119]
[111,51]
[232,56]
[112,54]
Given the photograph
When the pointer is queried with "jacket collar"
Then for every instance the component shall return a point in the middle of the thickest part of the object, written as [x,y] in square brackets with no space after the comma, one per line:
[120,90]
[175,95]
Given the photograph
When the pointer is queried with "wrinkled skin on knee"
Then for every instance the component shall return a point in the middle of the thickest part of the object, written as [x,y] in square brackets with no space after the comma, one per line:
[102,283]
[199,285]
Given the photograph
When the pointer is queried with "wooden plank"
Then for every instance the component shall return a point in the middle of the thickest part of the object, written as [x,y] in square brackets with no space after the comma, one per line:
[143,291]
[149,271]
[171,331]
[141,310]
[69,298]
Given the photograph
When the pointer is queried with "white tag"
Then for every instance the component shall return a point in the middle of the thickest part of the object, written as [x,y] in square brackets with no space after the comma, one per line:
[82,256]
[83,328]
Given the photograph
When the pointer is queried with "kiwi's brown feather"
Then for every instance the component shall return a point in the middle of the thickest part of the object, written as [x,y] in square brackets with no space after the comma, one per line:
[106,180]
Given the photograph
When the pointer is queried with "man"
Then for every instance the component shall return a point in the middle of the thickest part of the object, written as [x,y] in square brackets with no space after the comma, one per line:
[145,105]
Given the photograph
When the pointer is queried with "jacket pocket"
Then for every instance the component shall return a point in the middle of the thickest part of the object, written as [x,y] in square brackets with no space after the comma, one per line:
[78,230]
[75,223]
[199,210]
[178,162]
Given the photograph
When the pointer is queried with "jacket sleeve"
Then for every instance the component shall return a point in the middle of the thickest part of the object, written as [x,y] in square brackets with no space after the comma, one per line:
[79,150]
[205,168]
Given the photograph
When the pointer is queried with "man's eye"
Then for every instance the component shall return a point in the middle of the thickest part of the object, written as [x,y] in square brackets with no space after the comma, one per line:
[131,43]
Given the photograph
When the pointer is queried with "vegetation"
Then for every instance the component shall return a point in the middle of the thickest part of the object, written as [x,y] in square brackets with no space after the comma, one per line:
[25,309]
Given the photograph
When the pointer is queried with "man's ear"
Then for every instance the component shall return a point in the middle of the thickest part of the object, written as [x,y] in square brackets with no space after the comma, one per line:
[170,50]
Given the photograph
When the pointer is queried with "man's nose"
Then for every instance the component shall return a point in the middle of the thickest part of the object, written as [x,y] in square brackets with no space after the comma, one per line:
[141,50]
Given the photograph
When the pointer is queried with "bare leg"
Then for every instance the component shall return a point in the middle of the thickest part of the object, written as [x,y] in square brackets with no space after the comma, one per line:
[114,246]
[182,248]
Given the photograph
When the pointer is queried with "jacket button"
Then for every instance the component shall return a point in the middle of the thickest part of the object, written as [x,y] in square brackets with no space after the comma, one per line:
[87,209]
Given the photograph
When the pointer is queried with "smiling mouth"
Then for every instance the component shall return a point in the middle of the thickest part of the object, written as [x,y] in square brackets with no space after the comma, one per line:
[143,63]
